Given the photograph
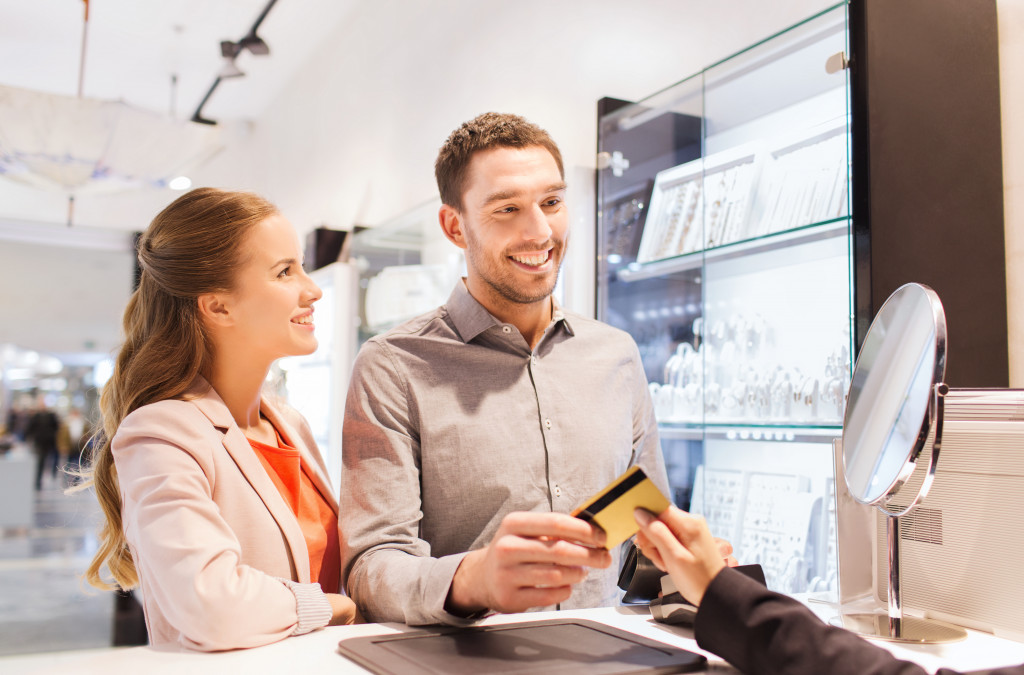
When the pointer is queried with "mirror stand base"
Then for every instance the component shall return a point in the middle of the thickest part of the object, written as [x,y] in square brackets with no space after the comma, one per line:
[907,629]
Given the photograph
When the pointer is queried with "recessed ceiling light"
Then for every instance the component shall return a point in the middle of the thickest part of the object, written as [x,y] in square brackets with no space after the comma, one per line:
[180,183]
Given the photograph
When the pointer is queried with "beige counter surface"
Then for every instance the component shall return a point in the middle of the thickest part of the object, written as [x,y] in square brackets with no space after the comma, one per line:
[317,652]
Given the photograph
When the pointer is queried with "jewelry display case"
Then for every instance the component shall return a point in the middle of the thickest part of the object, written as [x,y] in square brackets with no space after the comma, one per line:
[751,220]
[406,268]
[725,250]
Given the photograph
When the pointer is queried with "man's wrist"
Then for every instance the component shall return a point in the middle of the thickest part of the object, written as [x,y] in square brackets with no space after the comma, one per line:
[464,594]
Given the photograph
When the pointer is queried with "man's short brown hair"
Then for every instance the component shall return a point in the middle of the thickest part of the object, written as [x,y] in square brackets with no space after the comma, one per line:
[490,130]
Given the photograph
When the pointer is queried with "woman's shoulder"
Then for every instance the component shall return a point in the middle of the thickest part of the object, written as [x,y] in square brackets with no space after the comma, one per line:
[168,419]
[286,411]
[171,407]
[291,417]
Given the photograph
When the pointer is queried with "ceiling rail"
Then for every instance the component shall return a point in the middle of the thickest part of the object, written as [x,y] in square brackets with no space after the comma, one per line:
[230,50]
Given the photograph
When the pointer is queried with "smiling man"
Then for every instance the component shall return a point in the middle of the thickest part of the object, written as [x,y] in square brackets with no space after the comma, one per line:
[473,431]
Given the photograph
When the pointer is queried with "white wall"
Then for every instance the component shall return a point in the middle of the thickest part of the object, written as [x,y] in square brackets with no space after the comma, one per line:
[1011,81]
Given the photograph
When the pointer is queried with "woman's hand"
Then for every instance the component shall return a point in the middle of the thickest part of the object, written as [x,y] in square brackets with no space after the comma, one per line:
[682,545]
[343,610]
[725,548]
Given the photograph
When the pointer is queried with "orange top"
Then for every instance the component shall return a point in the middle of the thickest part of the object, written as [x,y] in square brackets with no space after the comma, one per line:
[317,519]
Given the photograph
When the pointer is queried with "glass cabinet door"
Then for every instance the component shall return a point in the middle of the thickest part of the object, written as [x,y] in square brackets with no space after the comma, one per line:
[724,249]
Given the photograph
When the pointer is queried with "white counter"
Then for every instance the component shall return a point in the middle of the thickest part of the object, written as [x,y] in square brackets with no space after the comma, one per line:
[317,651]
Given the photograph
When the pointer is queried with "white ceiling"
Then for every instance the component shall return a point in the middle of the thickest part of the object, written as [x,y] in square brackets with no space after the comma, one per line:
[134,46]
[62,291]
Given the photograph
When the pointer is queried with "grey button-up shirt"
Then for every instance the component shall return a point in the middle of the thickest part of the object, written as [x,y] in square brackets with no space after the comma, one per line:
[452,422]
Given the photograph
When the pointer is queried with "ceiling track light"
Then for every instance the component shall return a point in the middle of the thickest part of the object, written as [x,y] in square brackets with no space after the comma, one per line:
[229,51]
[229,69]
[254,44]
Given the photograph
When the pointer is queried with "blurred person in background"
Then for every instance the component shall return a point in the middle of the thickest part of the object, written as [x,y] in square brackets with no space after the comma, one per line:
[17,420]
[41,431]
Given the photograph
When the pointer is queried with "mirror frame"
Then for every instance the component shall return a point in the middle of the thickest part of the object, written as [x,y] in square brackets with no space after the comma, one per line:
[933,414]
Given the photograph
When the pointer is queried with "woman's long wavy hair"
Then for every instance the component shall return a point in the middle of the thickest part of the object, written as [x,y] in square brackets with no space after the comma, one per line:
[194,246]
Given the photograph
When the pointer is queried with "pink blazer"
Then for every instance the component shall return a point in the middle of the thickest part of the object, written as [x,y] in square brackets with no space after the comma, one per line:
[206,526]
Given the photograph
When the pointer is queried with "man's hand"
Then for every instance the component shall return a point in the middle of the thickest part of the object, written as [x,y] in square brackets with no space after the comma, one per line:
[533,561]
[682,545]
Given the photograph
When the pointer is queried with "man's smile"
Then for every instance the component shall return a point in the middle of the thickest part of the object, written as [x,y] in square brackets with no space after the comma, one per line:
[532,259]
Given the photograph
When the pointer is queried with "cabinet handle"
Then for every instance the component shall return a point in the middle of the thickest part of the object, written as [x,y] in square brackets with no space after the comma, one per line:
[836,62]
[614,160]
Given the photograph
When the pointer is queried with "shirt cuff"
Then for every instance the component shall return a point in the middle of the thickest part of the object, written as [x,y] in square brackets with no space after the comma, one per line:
[442,577]
[311,605]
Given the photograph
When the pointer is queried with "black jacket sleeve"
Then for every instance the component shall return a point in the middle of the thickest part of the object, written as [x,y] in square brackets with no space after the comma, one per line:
[759,631]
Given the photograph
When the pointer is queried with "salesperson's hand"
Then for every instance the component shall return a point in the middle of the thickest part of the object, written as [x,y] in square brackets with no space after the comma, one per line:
[533,561]
[681,545]
[343,610]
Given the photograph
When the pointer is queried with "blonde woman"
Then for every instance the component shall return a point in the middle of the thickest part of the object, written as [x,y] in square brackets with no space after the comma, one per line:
[216,499]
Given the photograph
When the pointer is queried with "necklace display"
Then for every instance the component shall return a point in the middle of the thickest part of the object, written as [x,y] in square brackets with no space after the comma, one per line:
[745,193]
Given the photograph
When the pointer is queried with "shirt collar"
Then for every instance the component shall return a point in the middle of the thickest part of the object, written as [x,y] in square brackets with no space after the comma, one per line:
[471,319]
[558,314]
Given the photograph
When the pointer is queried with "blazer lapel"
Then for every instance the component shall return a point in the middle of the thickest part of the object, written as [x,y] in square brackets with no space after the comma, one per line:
[249,464]
[310,456]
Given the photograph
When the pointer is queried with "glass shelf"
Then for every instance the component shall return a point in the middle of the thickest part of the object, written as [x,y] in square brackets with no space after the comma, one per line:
[837,227]
[724,243]
[406,267]
[751,432]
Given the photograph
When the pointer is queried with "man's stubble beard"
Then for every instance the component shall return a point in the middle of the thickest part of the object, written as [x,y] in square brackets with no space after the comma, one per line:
[504,285]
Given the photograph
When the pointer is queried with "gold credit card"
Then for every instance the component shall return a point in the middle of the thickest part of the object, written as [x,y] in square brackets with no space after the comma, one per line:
[611,509]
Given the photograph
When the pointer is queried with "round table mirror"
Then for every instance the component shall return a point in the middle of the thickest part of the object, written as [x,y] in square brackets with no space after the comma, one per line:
[895,402]
[887,414]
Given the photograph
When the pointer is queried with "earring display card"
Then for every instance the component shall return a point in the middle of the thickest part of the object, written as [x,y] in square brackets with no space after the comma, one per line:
[771,520]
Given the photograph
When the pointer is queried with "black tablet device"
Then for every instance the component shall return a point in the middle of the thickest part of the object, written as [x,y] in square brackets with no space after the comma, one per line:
[553,646]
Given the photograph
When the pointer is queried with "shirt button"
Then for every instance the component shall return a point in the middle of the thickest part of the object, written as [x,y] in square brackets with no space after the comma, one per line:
[506,329]
[547,424]
[558,491]
[533,360]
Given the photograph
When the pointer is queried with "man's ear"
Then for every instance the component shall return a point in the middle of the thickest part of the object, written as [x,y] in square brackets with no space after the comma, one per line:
[213,309]
[451,225]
